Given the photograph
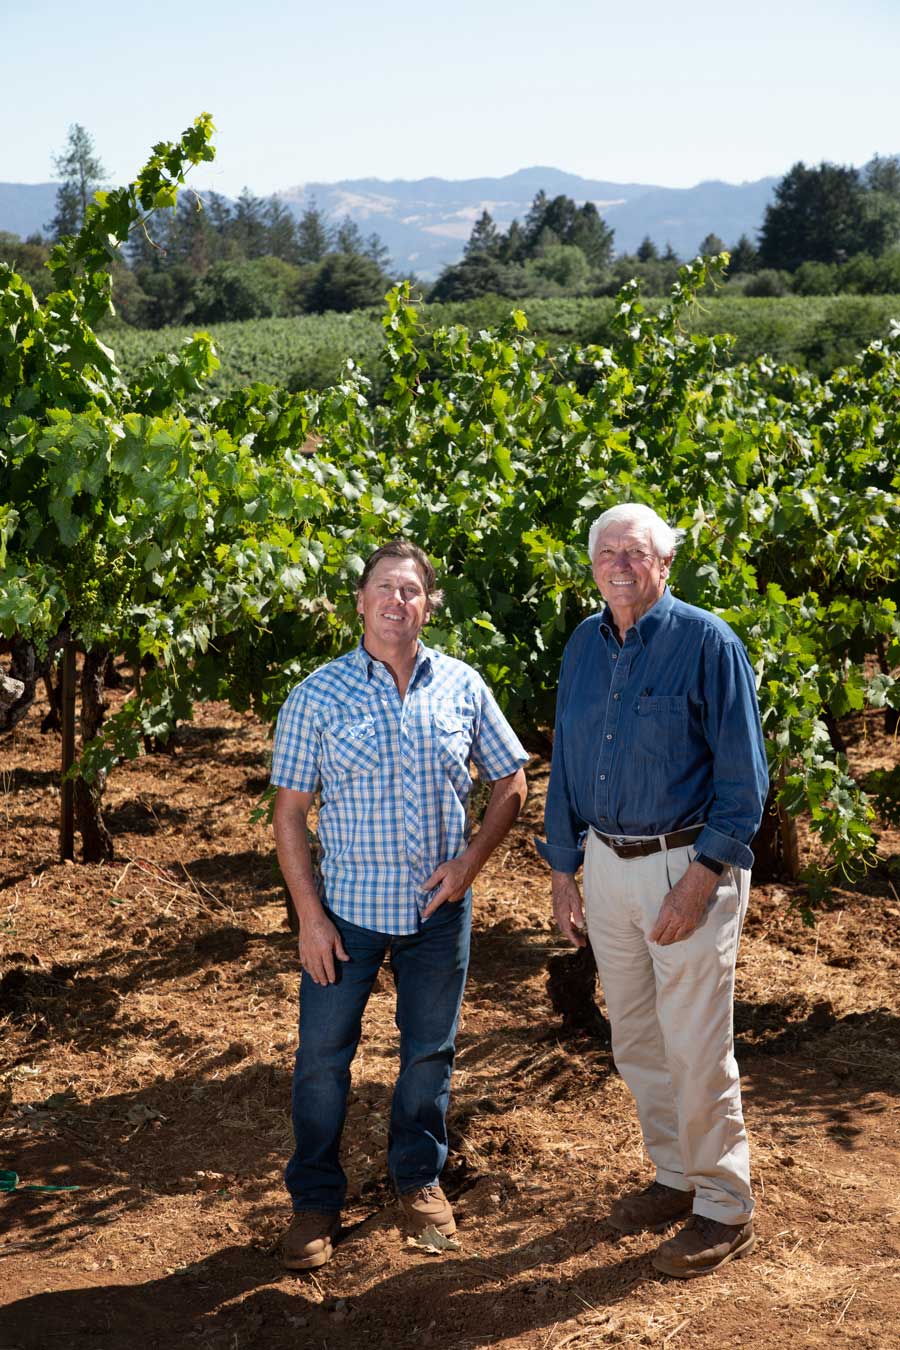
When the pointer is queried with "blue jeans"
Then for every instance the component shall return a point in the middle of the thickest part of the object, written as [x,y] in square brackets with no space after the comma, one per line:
[429,969]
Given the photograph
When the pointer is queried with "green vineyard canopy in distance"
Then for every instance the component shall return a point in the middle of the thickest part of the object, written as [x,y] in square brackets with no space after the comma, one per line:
[217,537]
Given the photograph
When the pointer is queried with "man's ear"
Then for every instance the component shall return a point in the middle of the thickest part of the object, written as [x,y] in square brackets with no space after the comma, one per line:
[666,563]
[359,602]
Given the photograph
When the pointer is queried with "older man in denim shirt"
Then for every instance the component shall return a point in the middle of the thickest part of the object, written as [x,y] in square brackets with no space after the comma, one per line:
[658,785]
[385,736]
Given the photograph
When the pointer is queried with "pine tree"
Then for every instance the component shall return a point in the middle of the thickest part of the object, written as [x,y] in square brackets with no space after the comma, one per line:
[82,173]
[647,250]
[743,256]
[710,245]
[485,239]
[348,238]
[281,231]
[248,227]
[313,235]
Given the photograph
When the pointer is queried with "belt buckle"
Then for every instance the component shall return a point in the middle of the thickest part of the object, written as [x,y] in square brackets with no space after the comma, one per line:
[619,840]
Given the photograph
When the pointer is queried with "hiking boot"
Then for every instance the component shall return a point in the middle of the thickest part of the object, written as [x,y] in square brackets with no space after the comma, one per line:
[654,1207]
[702,1246]
[428,1207]
[307,1243]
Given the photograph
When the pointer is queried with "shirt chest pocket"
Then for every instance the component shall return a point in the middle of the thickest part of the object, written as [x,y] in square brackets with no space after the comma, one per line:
[350,747]
[452,737]
[660,725]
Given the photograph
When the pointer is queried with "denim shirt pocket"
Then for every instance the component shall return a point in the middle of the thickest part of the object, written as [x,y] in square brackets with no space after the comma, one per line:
[351,746]
[661,725]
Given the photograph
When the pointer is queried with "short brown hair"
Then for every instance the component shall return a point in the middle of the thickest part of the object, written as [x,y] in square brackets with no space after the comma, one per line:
[405,548]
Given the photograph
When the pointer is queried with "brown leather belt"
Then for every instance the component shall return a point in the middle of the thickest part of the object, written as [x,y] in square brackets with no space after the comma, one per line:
[642,848]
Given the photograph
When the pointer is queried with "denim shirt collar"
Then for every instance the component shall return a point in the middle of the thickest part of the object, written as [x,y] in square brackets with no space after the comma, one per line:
[368,664]
[647,624]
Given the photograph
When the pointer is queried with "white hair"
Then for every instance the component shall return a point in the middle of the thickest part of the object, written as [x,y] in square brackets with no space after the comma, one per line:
[664,539]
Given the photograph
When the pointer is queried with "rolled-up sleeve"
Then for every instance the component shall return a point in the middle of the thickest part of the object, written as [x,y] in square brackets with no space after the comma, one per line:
[563,848]
[740,772]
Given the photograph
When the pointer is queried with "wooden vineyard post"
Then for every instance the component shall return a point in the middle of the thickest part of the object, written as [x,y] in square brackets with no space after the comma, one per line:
[67,786]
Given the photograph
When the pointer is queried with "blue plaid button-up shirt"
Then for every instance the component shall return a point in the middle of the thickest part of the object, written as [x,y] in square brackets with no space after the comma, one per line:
[393,775]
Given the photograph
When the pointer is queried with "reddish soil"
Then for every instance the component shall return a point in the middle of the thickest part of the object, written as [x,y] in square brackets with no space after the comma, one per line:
[148,1009]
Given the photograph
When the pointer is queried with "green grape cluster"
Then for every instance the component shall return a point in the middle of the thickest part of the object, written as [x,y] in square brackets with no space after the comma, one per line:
[98,588]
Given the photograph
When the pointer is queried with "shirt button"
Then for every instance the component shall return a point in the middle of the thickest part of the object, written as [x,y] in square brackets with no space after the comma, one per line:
[615,697]
[615,656]
[603,780]
[609,735]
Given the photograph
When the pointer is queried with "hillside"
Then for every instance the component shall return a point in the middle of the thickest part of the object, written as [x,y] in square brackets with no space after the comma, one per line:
[426,222]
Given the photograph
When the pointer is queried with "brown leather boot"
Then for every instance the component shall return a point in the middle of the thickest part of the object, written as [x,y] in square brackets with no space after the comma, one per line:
[428,1207]
[307,1243]
[654,1207]
[702,1246]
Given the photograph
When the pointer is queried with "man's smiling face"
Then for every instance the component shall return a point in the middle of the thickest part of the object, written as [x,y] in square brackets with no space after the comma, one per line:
[393,604]
[629,574]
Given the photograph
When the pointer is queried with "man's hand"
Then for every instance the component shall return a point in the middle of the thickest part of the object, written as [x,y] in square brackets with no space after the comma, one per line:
[320,943]
[453,879]
[568,910]
[684,906]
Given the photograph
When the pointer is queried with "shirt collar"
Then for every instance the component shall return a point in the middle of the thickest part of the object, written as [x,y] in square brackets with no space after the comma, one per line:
[368,664]
[648,623]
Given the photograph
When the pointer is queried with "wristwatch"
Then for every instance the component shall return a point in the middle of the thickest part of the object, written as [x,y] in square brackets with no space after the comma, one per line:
[712,864]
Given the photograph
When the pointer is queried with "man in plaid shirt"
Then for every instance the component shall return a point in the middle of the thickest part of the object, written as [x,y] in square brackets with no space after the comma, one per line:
[385,735]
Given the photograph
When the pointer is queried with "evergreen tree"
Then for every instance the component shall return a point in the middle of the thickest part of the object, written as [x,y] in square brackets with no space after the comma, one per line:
[670,256]
[379,253]
[313,235]
[348,238]
[743,256]
[647,250]
[512,244]
[561,216]
[346,281]
[485,240]
[281,231]
[249,228]
[710,245]
[818,215]
[82,173]
[592,235]
[881,179]
[219,215]
[535,219]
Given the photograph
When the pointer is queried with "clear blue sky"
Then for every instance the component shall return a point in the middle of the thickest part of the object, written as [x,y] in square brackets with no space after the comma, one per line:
[644,92]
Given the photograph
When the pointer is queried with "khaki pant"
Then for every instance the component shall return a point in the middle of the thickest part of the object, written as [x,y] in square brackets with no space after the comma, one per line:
[670,1009]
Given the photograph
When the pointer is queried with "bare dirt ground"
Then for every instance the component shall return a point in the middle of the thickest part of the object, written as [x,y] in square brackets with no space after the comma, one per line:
[148,1011]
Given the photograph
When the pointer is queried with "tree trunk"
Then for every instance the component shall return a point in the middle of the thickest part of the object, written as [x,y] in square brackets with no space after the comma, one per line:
[53,719]
[571,983]
[24,668]
[776,847]
[96,842]
[891,715]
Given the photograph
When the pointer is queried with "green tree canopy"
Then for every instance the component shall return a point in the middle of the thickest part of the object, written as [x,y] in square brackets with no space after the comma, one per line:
[820,215]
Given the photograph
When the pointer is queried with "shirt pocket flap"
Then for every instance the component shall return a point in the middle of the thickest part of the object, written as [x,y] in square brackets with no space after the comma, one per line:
[452,724]
[352,745]
[661,705]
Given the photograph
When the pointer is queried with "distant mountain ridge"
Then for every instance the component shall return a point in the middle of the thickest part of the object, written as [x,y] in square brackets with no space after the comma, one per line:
[425,222]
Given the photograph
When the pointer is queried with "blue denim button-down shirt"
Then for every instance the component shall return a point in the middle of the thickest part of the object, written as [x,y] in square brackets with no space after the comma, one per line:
[658,734]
